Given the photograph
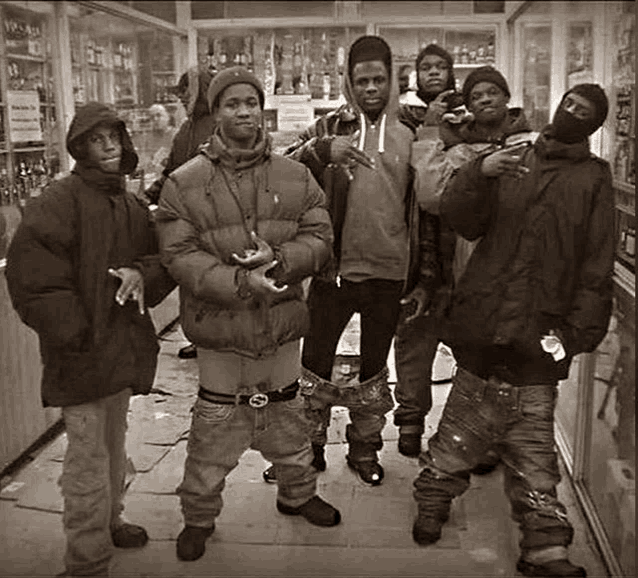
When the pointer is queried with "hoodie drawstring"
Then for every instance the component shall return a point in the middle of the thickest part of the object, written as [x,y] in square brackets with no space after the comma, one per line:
[362,137]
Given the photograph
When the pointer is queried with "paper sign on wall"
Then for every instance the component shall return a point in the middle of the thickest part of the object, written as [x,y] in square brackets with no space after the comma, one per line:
[24,115]
[294,113]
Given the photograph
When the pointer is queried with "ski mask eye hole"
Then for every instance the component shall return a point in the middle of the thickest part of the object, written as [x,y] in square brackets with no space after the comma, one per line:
[578,107]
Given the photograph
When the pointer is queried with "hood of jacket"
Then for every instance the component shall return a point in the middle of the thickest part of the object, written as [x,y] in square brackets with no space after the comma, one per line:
[198,82]
[85,120]
[390,113]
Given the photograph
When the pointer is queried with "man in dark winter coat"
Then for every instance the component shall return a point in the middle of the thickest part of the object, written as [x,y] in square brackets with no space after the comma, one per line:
[443,147]
[82,269]
[192,90]
[360,154]
[416,340]
[536,291]
[240,228]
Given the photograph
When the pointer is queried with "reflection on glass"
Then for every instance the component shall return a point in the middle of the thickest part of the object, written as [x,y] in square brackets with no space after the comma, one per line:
[612,461]
[537,74]
[579,54]
[567,406]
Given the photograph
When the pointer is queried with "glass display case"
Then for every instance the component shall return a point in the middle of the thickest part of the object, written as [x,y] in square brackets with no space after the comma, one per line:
[537,73]
[289,61]
[29,135]
[471,47]
[131,66]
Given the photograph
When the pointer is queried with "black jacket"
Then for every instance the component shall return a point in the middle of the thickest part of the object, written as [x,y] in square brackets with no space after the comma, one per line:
[544,262]
[57,264]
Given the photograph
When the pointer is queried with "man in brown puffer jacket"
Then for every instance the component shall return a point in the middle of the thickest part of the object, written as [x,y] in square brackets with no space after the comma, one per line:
[240,228]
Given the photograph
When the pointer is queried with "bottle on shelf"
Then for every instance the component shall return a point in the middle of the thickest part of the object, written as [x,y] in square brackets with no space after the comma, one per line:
[630,242]
[465,54]
[490,53]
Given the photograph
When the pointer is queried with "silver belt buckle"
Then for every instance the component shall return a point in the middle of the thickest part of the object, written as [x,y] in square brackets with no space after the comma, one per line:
[258,400]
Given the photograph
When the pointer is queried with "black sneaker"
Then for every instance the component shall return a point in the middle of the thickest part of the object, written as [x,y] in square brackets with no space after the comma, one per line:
[369,471]
[319,461]
[191,542]
[553,568]
[188,352]
[129,536]
[315,510]
[269,475]
[410,445]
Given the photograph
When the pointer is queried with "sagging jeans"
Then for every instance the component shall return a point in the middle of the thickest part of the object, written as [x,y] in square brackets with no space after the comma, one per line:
[331,308]
[220,434]
[415,347]
[516,422]
[92,481]
[367,402]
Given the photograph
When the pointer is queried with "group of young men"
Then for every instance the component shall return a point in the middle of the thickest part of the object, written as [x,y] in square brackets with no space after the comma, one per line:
[432,220]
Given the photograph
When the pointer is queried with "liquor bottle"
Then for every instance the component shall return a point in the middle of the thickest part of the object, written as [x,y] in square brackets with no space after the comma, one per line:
[630,242]
[480,54]
[490,52]
[465,54]
[5,189]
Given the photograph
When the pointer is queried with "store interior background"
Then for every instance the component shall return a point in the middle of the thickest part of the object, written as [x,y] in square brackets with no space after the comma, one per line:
[57,55]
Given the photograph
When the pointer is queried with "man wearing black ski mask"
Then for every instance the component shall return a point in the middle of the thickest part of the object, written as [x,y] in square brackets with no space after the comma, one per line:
[536,291]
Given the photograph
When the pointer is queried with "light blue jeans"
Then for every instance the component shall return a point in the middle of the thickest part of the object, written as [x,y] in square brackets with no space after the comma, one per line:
[92,481]
[221,433]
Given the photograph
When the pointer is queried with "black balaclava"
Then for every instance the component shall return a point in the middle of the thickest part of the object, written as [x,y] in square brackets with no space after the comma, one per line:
[445,55]
[569,129]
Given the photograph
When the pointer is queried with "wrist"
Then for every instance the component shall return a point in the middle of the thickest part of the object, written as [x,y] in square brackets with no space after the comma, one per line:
[323,147]
[243,289]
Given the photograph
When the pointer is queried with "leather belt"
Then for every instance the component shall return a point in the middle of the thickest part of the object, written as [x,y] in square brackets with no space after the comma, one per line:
[256,400]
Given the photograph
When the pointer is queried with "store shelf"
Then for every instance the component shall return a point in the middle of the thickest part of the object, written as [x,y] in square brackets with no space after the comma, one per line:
[29,149]
[473,65]
[625,187]
[40,59]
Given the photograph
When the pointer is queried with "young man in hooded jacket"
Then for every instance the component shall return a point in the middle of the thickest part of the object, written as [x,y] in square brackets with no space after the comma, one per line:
[417,338]
[82,269]
[360,155]
[536,291]
[240,228]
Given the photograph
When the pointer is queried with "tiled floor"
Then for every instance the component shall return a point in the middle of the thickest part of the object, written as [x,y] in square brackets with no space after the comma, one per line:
[252,538]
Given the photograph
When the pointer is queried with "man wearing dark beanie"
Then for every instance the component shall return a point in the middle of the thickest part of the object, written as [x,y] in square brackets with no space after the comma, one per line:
[536,291]
[240,227]
[360,154]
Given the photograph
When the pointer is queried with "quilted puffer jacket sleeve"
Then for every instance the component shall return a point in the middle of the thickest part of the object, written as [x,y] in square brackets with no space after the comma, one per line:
[592,302]
[311,249]
[204,275]
[434,166]
[40,274]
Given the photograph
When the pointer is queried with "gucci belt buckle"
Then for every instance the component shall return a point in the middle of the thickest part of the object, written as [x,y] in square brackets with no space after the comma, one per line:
[258,400]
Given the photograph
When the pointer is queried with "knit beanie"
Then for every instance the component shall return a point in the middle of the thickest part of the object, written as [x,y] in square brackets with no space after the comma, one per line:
[228,77]
[435,50]
[367,48]
[484,74]
[596,95]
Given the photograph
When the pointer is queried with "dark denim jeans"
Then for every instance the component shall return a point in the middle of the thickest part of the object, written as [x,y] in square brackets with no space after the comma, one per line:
[331,308]
[518,424]
[415,348]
